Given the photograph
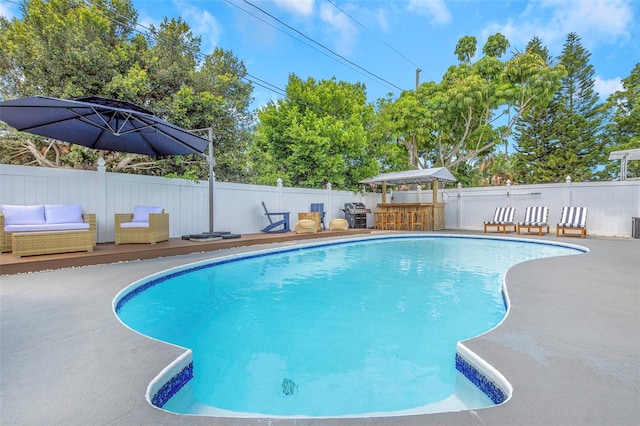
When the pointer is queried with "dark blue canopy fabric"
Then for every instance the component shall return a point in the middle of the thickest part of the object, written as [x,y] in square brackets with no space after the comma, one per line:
[100,123]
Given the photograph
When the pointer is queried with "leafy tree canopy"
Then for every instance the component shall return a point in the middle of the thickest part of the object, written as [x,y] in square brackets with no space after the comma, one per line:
[317,135]
[69,49]
[461,120]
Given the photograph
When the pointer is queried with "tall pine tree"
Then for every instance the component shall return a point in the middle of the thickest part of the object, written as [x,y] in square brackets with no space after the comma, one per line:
[578,118]
[534,135]
[564,138]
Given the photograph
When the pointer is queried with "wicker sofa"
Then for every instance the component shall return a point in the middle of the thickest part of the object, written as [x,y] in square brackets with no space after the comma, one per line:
[46,228]
[146,225]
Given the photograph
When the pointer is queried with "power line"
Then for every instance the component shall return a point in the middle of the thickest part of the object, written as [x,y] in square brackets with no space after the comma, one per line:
[373,34]
[293,37]
[267,85]
[322,46]
[149,33]
[248,77]
[112,14]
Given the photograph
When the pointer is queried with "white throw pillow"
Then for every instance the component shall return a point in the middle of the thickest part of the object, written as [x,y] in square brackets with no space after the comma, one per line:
[141,213]
[63,213]
[23,215]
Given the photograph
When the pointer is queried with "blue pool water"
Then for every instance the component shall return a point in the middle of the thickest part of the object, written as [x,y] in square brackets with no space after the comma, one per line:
[338,329]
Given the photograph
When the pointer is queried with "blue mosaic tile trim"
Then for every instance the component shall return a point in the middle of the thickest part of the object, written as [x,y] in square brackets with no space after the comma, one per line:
[133,293]
[481,381]
[505,301]
[142,288]
[169,389]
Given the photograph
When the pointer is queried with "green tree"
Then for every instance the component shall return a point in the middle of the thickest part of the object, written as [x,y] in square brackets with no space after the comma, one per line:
[623,130]
[317,135]
[66,48]
[534,136]
[62,48]
[578,119]
[452,123]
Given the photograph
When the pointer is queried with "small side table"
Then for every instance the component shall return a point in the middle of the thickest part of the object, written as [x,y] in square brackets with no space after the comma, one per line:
[315,216]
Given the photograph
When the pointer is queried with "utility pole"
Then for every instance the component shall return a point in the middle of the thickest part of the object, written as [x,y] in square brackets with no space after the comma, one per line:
[413,159]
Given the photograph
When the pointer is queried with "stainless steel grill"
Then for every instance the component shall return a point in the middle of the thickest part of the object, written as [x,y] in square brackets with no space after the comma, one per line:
[356,214]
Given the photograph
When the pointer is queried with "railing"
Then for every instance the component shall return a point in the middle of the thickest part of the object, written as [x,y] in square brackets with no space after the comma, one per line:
[237,208]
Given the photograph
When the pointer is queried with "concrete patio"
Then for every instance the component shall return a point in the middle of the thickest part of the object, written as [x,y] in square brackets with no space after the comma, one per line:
[570,345]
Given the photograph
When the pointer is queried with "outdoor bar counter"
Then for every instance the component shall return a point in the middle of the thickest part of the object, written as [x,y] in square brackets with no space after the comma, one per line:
[410,216]
[417,216]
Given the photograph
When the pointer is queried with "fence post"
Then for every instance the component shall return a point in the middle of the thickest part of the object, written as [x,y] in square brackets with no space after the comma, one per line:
[567,194]
[459,206]
[508,192]
[212,205]
[279,185]
[101,192]
[329,202]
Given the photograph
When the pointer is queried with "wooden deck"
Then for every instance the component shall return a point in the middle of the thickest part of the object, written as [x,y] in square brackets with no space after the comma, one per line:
[110,253]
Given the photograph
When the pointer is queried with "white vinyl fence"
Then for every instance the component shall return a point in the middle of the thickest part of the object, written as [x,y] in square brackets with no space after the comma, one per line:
[237,207]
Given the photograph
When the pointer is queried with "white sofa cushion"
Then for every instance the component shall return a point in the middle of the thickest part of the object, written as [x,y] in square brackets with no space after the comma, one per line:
[134,225]
[63,213]
[22,215]
[141,213]
[46,227]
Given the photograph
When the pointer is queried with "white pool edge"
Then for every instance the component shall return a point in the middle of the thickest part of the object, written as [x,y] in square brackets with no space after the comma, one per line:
[178,374]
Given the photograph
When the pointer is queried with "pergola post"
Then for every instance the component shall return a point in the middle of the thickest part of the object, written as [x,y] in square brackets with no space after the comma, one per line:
[434,188]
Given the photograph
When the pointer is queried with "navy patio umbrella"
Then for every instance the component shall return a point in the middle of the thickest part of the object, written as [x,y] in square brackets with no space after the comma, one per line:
[100,123]
[105,124]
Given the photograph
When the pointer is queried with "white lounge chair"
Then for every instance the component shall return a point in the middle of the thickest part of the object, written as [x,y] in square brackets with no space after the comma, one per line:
[502,219]
[573,219]
[535,218]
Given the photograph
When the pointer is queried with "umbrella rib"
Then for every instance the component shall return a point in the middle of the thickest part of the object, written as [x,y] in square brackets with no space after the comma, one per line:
[84,119]
[178,141]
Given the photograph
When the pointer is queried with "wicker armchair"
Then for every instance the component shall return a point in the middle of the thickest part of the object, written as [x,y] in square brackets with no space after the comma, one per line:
[151,232]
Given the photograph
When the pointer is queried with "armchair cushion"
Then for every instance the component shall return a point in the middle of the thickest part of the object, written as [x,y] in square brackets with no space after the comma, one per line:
[63,213]
[23,215]
[141,213]
[134,225]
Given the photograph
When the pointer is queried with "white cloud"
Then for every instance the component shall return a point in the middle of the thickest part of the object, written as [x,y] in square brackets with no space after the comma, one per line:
[341,28]
[381,19]
[6,10]
[202,24]
[297,7]
[595,21]
[606,87]
[436,9]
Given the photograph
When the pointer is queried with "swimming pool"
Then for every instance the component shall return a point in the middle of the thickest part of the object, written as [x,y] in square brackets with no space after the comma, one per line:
[257,324]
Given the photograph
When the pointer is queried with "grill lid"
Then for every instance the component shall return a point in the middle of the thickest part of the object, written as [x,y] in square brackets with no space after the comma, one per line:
[355,208]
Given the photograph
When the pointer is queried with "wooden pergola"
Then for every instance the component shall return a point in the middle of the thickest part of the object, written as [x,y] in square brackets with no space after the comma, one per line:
[625,156]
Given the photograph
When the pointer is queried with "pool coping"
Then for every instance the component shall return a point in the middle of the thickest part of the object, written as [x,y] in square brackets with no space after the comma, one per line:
[569,346]
[179,373]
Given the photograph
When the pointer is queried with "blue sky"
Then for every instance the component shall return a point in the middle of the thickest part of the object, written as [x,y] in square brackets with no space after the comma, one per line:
[382,43]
